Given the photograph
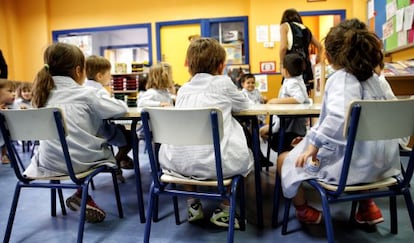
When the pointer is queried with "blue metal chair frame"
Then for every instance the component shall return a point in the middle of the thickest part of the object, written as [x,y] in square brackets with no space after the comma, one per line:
[55,184]
[160,188]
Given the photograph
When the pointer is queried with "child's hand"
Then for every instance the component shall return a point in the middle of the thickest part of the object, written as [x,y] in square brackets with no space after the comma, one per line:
[311,151]
[164,104]
[264,131]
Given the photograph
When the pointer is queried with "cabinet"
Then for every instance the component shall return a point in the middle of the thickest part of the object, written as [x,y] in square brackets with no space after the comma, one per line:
[125,87]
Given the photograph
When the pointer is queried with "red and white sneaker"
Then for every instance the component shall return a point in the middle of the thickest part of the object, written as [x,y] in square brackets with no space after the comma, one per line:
[308,215]
[372,215]
[93,213]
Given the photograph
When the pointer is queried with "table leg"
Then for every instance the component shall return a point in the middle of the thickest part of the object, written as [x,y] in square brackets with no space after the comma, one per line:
[257,170]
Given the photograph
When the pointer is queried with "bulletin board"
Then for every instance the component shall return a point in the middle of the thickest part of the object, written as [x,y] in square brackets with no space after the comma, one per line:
[392,20]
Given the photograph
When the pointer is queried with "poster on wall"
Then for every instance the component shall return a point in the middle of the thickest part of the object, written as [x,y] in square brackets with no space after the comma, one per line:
[84,42]
[261,82]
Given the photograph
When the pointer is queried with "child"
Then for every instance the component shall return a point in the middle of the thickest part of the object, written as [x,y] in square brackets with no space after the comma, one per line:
[158,85]
[7,95]
[354,53]
[24,96]
[293,91]
[60,84]
[98,73]
[209,88]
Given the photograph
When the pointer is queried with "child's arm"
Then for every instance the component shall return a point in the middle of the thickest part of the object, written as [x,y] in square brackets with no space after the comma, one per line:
[287,100]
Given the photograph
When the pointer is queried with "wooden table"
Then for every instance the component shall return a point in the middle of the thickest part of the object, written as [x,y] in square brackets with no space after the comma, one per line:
[282,110]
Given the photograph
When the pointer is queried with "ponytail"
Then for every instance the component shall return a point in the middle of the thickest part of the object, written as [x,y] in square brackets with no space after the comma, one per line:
[42,86]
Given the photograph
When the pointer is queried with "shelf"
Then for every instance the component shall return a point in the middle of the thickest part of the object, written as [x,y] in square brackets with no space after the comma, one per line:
[124,91]
[401,85]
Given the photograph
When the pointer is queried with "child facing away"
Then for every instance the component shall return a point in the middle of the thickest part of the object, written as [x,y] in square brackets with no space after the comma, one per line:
[293,91]
[249,88]
[7,96]
[158,85]
[209,88]
[354,53]
[60,84]
[98,73]
[24,96]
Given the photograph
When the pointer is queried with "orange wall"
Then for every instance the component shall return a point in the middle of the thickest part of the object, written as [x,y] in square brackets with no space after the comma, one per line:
[29,23]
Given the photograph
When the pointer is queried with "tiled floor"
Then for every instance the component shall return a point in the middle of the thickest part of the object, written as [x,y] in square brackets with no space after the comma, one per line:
[33,222]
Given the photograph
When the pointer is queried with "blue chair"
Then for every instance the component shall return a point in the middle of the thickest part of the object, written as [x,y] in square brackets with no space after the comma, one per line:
[199,126]
[369,120]
[47,124]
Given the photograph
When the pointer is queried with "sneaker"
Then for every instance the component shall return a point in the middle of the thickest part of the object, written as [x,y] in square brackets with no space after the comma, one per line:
[93,213]
[195,212]
[372,215]
[221,218]
[309,215]
[5,159]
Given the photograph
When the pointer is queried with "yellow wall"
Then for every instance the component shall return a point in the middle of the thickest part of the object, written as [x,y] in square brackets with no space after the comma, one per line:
[28,23]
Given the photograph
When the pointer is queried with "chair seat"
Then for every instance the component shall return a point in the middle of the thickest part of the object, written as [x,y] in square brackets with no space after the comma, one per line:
[363,187]
[166,178]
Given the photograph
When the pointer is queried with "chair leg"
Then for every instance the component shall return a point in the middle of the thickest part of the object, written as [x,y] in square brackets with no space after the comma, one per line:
[276,200]
[410,206]
[150,210]
[242,204]
[92,185]
[62,201]
[328,220]
[176,209]
[155,213]
[230,233]
[285,221]
[53,201]
[393,214]
[353,211]
[12,213]
[117,194]
[81,225]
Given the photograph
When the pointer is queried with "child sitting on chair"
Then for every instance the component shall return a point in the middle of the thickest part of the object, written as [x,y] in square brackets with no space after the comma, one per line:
[293,91]
[60,84]
[354,53]
[158,87]
[209,88]
[98,73]
[7,96]
[24,96]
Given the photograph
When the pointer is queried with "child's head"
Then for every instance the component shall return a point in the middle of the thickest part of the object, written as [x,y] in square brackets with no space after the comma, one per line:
[205,55]
[24,91]
[60,60]
[160,76]
[353,48]
[249,82]
[98,69]
[291,15]
[7,92]
[293,65]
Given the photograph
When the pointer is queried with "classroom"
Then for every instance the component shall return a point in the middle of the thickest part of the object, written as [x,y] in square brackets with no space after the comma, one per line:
[136,35]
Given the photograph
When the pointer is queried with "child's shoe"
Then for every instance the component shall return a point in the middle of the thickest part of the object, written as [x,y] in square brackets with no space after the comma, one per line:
[195,211]
[119,176]
[221,218]
[93,213]
[371,215]
[5,159]
[308,215]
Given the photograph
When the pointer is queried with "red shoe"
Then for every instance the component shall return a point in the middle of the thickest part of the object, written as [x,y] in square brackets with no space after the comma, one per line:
[308,215]
[93,214]
[372,215]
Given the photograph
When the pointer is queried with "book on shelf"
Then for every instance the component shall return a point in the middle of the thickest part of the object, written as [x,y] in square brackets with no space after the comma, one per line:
[399,68]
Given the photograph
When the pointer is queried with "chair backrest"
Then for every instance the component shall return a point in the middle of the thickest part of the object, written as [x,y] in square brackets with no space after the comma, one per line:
[34,124]
[182,126]
[377,120]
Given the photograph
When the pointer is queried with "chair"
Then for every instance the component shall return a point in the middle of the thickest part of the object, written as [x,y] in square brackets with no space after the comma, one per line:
[369,120]
[173,126]
[47,124]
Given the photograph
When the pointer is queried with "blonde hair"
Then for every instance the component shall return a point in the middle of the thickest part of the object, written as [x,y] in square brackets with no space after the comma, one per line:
[159,76]
[96,64]
[205,55]
[5,83]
